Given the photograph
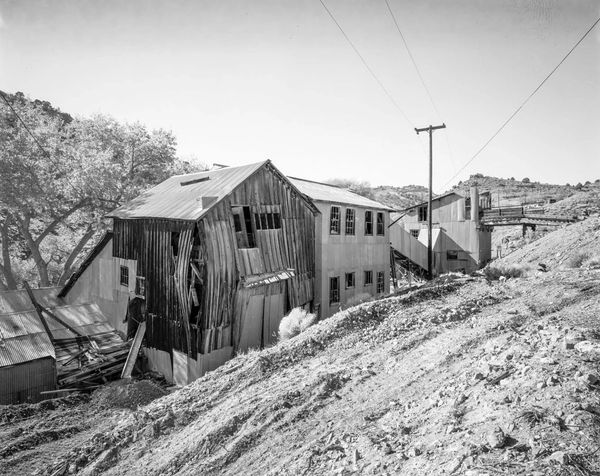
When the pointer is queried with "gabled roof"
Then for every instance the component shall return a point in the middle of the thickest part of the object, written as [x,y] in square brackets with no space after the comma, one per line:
[322,192]
[95,251]
[435,199]
[191,196]
[187,197]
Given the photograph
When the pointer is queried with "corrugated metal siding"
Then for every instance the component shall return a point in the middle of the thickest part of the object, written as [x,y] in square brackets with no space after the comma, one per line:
[170,199]
[25,348]
[330,193]
[23,382]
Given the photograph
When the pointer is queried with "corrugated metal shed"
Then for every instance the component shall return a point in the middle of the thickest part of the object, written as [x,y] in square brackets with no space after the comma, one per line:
[321,192]
[25,348]
[186,197]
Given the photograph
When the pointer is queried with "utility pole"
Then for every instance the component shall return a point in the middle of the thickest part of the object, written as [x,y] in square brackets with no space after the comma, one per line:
[430,129]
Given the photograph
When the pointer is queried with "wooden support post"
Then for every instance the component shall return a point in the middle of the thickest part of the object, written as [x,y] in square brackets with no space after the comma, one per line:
[38,309]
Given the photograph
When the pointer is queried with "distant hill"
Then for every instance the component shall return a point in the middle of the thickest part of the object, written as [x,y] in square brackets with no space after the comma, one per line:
[400,197]
[511,192]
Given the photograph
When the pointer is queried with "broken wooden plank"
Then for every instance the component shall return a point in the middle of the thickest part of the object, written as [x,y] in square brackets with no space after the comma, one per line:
[134,350]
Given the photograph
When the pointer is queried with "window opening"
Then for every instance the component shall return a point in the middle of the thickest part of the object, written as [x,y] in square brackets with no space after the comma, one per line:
[334,290]
[334,221]
[349,280]
[368,222]
[451,255]
[175,242]
[276,220]
[368,278]
[380,224]
[422,210]
[380,282]
[237,223]
[350,221]
[415,233]
[249,229]
[124,276]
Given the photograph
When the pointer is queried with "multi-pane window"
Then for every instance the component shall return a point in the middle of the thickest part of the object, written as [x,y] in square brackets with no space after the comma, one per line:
[334,290]
[415,233]
[368,278]
[368,222]
[267,221]
[350,221]
[380,282]
[124,276]
[349,280]
[334,221]
[380,224]
[422,211]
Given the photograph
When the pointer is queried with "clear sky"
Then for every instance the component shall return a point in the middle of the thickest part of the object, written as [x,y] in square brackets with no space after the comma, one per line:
[241,81]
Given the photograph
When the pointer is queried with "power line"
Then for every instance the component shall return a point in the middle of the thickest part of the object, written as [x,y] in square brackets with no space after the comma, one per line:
[523,103]
[366,65]
[429,95]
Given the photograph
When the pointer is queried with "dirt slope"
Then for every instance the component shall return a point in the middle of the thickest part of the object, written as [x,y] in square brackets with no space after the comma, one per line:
[463,378]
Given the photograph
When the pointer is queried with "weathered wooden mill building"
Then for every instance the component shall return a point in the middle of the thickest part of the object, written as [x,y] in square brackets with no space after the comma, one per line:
[213,261]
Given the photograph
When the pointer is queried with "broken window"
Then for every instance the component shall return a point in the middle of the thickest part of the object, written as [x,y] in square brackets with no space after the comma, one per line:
[380,282]
[350,219]
[415,233]
[124,276]
[368,222]
[267,221]
[334,290]
[368,278]
[349,280]
[140,286]
[243,226]
[276,221]
[175,242]
[380,224]
[422,212]
[451,254]
[334,221]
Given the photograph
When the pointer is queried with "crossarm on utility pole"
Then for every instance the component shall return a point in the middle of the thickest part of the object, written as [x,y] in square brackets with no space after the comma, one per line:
[430,129]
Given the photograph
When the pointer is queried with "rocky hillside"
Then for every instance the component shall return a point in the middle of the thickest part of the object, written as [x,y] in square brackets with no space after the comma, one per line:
[400,198]
[463,376]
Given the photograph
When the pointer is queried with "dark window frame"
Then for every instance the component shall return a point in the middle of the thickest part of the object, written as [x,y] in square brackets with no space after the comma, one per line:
[368,277]
[380,282]
[422,212]
[334,290]
[350,222]
[415,232]
[368,223]
[350,280]
[124,275]
[334,220]
[451,255]
[380,224]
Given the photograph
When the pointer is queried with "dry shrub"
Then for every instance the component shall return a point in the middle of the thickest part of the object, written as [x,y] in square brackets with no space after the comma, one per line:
[577,259]
[297,321]
[496,271]
[592,262]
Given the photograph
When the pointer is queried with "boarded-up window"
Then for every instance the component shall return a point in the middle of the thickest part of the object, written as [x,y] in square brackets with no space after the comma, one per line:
[334,290]
[368,222]
[368,278]
[124,276]
[415,233]
[380,224]
[349,280]
[350,221]
[380,282]
[334,221]
[422,212]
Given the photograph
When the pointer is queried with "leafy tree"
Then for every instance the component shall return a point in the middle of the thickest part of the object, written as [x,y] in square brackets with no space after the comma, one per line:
[55,189]
[526,180]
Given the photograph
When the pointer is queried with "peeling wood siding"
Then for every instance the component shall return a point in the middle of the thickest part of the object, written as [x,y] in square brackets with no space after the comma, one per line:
[220,263]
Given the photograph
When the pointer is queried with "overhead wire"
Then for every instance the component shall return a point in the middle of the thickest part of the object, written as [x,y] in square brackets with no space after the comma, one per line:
[505,123]
[366,65]
[421,78]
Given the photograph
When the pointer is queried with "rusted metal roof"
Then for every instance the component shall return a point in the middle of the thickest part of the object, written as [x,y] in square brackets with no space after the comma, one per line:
[321,192]
[23,337]
[186,197]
